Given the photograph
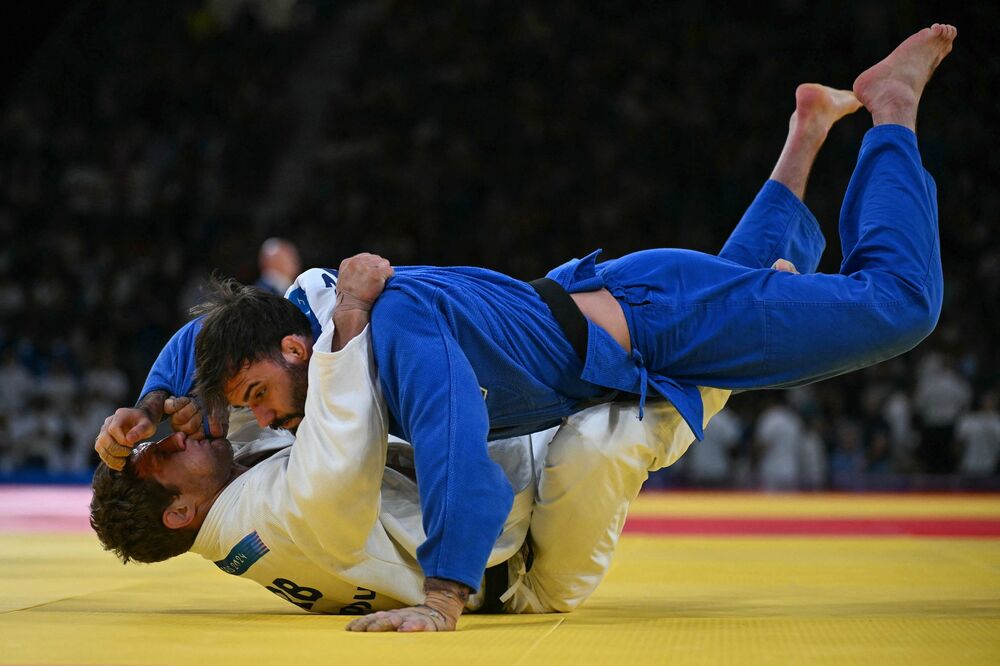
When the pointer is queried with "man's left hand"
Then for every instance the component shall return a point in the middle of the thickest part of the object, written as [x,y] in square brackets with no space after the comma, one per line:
[440,611]
[415,618]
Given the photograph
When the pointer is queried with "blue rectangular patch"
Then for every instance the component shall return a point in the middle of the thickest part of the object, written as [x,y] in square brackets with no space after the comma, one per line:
[243,555]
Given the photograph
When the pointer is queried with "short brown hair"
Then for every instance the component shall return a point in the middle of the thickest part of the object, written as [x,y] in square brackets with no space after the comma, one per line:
[241,325]
[127,514]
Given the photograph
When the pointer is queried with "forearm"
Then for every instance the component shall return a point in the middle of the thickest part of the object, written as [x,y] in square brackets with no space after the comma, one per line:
[362,279]
[173,370]
[431,388]
[348,323]
[448,598]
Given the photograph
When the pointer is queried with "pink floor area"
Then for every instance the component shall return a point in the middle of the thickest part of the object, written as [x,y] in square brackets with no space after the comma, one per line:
[880,526]
[44,508]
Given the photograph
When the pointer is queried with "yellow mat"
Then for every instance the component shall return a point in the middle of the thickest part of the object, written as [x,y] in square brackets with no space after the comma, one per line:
[667,600]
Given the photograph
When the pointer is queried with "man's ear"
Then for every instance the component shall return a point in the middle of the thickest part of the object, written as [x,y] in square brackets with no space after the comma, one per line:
[295,348]
[178,514]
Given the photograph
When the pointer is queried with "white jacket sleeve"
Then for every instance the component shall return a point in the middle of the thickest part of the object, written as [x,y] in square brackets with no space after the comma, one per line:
[336,466]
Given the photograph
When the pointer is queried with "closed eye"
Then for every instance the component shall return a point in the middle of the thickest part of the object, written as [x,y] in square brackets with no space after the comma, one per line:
[246,394]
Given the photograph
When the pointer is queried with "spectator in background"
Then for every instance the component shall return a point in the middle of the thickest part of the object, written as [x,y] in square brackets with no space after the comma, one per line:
[779,436]
[35,437]
[877,435]
[59,387]
[898,413]
[7,462]
[978,434]
[709,462]
[103,380]
[16,383]
[812,456]
[848,462]
[83,420]
[279,265]
[942,395]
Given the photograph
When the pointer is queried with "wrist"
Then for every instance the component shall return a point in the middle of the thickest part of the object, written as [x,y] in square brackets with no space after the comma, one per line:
[447,597]
[152,404]
[347,324]
[348,318]
[348,301]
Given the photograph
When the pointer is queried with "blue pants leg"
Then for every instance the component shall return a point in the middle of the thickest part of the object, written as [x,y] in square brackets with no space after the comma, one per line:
[709,321]
[777,225]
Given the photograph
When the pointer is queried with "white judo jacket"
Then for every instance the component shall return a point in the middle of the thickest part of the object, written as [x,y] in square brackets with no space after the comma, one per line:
[324,524]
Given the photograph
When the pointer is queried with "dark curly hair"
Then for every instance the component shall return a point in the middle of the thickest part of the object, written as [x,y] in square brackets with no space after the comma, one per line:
[241,325]
[126,512]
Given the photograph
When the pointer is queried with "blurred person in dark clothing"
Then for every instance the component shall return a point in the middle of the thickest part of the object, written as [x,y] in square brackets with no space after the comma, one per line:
[279,265]
[978,435]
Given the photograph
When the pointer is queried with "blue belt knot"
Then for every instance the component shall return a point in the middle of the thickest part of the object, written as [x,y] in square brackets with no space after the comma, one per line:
[640,363]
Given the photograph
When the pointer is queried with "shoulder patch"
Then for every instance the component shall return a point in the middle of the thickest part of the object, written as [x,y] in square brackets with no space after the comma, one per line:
[243,555]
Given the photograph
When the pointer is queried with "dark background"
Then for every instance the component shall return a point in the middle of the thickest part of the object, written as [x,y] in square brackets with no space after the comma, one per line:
[143,146]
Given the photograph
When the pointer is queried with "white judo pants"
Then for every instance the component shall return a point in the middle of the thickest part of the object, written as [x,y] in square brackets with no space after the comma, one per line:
[594,467]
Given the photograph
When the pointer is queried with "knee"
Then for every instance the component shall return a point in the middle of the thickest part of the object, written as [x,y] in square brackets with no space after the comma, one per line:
[930,313]
[927,305]
[918,320]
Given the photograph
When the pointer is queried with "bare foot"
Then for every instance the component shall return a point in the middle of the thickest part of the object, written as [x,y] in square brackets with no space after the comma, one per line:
[817,108]
[891,89]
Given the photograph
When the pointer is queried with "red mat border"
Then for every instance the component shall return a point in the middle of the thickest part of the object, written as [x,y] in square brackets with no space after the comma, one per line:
[769,526]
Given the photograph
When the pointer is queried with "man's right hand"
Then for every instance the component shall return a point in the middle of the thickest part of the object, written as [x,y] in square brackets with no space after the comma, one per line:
[127,427]
[360,281]
[120,433]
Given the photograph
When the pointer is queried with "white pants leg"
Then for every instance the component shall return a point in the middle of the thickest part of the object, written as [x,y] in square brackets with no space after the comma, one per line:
[594,468]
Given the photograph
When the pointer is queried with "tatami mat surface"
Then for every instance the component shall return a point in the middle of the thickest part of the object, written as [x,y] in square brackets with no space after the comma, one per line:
[670,598]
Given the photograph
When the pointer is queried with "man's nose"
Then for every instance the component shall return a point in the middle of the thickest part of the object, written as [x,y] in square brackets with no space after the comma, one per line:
[263,415]
[172,443]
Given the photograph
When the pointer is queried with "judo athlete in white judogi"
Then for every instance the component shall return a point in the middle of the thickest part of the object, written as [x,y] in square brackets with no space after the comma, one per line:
[326,525]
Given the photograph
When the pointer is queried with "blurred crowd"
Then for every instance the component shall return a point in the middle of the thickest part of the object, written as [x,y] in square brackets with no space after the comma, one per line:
[146,145]
[890,427]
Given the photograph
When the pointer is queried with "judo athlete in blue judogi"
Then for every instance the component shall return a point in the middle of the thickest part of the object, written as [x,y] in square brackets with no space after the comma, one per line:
[466,354]
[444,337]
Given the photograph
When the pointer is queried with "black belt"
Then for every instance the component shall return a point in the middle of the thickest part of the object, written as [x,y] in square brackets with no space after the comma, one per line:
[567,314]
[496,581]
[574,327]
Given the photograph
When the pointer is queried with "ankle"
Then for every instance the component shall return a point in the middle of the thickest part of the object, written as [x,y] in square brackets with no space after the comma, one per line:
[905,115]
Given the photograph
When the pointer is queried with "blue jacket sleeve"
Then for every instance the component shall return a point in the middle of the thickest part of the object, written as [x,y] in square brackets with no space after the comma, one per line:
[432,391]
[173,370]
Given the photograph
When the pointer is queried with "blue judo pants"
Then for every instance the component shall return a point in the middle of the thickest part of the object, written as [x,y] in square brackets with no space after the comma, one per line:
[707,321]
